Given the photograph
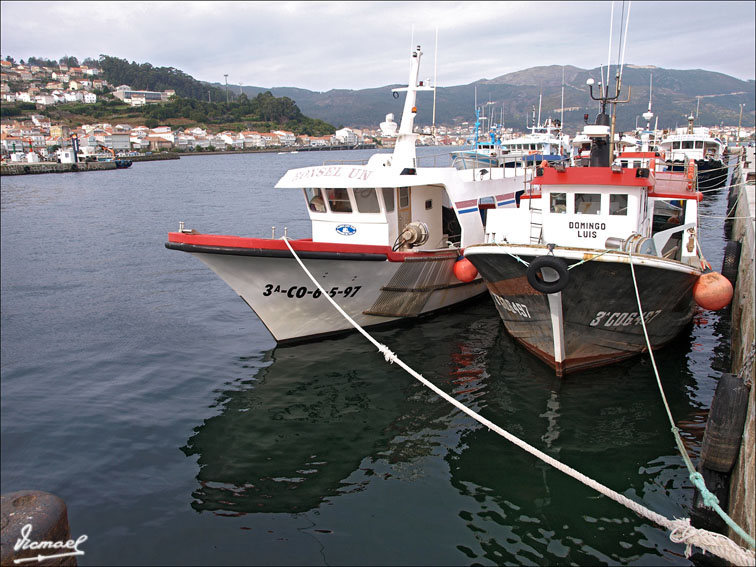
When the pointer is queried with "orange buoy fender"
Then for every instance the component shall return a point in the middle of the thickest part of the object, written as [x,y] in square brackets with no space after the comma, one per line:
[464,270]
[712,291]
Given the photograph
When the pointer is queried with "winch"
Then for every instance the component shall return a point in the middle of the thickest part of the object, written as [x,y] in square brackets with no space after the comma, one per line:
[414,234]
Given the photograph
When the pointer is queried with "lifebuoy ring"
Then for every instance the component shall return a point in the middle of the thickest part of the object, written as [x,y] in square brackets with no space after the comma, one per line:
[535,278]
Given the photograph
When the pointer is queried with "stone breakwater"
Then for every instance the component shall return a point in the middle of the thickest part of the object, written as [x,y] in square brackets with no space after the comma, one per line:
[50,167]
[22,168]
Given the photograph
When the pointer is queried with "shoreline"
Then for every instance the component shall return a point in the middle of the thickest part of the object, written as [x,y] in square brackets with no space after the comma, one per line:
[24,168]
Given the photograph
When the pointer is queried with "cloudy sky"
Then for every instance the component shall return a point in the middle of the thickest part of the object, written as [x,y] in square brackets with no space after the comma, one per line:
[354,45]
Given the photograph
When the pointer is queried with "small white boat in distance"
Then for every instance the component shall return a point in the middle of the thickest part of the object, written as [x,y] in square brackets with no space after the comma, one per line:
[386,237]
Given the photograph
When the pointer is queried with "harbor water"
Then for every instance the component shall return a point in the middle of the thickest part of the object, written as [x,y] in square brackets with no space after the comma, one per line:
[139,388]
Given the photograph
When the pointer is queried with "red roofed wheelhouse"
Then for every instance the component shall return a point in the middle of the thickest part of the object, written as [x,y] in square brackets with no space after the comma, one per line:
[560,268]
[385,239]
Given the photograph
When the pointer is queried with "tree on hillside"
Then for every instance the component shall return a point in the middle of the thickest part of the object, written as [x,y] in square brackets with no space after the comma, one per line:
[42,62]
[146,77]
[69,60]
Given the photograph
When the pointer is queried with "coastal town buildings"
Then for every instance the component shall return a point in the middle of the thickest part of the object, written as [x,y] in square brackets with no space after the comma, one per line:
[46,86]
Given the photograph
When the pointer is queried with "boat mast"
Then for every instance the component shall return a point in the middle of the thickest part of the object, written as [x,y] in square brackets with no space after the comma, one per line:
[618,82]
[404,151]
[435,82]
[648,115]
[561,115]
[614,103]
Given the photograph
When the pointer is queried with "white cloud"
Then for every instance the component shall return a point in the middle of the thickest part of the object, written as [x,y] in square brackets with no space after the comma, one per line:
[353,45]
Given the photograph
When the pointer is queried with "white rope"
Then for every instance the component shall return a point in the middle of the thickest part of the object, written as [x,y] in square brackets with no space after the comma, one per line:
[681,530]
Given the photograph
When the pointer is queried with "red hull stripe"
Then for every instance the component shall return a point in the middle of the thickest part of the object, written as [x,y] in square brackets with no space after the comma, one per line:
[302,245]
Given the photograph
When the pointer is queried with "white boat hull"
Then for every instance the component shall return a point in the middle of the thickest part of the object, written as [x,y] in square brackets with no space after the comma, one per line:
[371,291]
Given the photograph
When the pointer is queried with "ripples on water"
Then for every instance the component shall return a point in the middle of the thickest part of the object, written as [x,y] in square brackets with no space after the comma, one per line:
[139,388]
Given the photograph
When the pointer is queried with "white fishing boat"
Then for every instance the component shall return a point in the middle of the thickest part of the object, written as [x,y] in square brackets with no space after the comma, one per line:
[695,143]
[386,237]
[564,269]
[545,142]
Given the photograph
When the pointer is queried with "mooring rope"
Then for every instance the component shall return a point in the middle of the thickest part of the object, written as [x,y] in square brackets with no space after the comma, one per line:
[709,499]
[680,529]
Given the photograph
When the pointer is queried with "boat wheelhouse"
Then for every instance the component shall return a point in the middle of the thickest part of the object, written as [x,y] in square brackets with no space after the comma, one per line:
[386,236]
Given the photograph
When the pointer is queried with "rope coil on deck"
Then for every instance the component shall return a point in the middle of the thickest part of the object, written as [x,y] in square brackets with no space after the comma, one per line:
[680,529]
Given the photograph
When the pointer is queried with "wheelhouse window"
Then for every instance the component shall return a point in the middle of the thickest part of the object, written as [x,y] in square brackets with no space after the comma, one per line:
[388,198]
[366,201]
[618,205]
[338,200]
[315,200]
[558,203]
[699,144]
[687,144]
[587,203]
[404,197]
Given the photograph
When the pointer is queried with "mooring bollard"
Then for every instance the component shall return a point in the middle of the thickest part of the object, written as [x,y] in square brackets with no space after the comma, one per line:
[48,517]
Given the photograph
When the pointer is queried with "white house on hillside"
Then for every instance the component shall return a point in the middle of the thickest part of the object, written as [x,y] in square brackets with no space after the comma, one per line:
[346,136]
[285,138]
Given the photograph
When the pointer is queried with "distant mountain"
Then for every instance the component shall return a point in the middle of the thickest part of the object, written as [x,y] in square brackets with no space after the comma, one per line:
[675,94]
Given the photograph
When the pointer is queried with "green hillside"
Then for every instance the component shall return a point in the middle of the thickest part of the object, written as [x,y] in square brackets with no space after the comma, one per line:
[676,93]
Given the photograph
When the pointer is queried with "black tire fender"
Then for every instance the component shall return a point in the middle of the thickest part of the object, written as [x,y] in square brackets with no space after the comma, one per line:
[732,201]
[731,261]
[535,278]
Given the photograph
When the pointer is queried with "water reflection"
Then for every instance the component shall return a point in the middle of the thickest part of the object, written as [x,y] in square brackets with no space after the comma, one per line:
[291,433]
[317,429]
[608,425]
[288,436]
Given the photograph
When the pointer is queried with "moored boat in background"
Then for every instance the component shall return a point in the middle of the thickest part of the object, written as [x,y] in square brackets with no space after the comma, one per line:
[545,142]
[696,143]
[484,151]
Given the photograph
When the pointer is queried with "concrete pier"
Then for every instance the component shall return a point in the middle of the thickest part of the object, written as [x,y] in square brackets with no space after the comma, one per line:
[52,167]
[742,508]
